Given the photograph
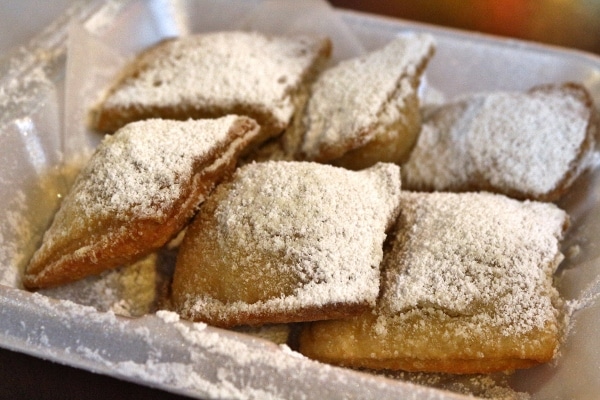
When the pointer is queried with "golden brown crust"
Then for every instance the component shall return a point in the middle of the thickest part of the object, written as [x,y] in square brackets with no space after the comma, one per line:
[254,318]
[109,119]
[390,143]
[434,343]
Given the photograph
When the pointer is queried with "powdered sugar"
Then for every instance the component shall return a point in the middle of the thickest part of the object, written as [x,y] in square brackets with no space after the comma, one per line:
[130,291]
[497,62]
[26,216]
[322,224]
[517,143]
[349,98]
[467,254]
[145,172]
[211,72]
[490,386]
[13,248]
[144,168]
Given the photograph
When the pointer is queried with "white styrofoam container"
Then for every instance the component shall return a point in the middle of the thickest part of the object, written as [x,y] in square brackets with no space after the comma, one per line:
[45,89]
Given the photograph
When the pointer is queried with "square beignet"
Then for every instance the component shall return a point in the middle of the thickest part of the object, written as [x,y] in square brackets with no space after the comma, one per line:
[138,190]
[215,74]
[286,242]
[366,110]
[527,145]
[467,287]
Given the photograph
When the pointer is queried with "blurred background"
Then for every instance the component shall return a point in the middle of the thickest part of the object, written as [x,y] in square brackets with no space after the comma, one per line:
[566,23]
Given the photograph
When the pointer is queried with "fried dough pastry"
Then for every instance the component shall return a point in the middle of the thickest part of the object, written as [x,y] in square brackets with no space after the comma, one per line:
[141,186]
[366,109]
[286,242]
[467,287]
[529,145]
[215,74]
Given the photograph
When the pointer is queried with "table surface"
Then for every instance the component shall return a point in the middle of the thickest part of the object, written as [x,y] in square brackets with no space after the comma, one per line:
[573,24]
[26,377]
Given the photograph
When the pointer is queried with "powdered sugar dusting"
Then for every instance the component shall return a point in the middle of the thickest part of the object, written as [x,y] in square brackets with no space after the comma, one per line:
[490,386]
[561,120]
[142,170]
[221,70]
[156,373]
[463,253]
[26,215]
[513,142]
[349,98]
[328,223]
[147,171]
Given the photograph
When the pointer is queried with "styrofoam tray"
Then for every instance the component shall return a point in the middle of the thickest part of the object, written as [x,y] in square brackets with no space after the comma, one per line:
[44,91]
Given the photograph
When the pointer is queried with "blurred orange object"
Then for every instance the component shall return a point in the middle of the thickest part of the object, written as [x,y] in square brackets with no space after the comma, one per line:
[566,23]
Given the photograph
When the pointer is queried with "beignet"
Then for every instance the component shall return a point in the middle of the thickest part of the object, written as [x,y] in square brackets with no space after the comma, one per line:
[286,242]
[366,109]
[467,287]
[138,190]
[526,145]
[215,74]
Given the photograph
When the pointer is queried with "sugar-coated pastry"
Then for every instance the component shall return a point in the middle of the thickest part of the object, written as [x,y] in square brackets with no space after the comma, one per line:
[467,287]
[530,144]
[286,242]
[366,109]
[141,186]
[214,74]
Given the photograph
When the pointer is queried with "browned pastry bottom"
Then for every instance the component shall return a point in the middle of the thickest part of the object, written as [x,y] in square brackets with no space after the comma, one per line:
[421,342]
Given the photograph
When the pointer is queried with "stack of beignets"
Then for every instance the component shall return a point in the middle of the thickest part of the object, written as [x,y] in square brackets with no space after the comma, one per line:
[215,74]
[529,145]
[464,283]
[139,189]
[286,242]
[466,288]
